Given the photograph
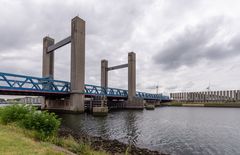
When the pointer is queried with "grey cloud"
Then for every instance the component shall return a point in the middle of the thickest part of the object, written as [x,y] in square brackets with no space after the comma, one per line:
[171,88]
[194,44]
[114,28]
[153,87]
[175,7]
[188,85]
[32,21]
[108,25]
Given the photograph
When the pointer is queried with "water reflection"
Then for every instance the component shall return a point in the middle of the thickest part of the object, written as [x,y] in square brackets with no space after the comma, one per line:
[131,127]
[174,130]
[102,127]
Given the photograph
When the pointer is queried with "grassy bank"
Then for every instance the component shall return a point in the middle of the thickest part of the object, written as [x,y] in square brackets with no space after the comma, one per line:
[172,104]
[24,130]
[202,104]
[13,141]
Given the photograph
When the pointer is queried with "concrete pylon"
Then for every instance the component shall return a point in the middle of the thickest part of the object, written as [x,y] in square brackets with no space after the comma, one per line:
[77,64]
[104,73]
[133,102]
[48,58]
[47,67]
[131,75]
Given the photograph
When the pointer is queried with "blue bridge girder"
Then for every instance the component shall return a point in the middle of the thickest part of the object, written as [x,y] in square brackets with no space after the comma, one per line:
[29,85]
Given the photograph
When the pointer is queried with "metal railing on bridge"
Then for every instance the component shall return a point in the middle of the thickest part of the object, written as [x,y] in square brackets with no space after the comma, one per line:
[114,92]
[110,92]
[30,83]
[22,83]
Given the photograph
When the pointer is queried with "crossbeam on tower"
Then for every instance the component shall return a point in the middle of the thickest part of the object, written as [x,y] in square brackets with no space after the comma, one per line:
[117,67]
[59,44]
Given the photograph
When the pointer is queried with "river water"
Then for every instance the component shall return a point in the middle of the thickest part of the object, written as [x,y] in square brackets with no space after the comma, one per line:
[173,130]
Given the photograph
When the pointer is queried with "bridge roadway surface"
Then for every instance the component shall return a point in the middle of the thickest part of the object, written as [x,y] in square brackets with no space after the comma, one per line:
[13,84]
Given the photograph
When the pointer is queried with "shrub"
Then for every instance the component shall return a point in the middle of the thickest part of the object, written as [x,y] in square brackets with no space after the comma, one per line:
[14,113]
[43,123]
[46,124]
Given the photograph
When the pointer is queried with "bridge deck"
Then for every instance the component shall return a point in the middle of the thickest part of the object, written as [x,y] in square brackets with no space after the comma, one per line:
[12,84]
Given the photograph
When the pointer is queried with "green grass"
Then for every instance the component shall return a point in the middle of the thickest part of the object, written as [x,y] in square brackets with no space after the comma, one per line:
[17,141]
[25,130]
[206,104]
[13,141]
[44,124]
[221,104]
[77,147]
[172,104]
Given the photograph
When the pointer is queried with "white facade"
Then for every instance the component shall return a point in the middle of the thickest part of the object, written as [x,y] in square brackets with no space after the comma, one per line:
[31,100]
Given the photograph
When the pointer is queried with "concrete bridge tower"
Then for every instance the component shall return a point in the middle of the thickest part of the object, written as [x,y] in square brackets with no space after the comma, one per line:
[131,76]
[104,73]
[132,102]
[77,64]
[77,39]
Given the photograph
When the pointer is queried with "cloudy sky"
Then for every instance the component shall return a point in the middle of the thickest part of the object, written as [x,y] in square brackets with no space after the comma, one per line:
[181,45]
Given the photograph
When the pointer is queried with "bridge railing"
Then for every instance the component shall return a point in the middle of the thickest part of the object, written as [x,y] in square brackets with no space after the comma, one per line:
[30,83]
[114,92]
[93,90]
[15,82]
[148,95]
[98,90]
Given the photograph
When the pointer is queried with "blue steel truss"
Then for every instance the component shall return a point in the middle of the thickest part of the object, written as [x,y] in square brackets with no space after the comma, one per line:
[13,82]
[110,92]
[33,84]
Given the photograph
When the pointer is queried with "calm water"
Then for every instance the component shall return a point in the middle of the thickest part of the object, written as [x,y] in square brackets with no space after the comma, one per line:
[174,130]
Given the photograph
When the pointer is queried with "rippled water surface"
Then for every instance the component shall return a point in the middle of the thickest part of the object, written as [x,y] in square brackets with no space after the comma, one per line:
[174,130]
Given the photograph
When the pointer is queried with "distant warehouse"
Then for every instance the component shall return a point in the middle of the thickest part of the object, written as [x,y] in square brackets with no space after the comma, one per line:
[31,100]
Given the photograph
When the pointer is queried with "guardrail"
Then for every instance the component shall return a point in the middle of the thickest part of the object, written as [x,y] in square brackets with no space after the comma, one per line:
[35,84]
[30,83]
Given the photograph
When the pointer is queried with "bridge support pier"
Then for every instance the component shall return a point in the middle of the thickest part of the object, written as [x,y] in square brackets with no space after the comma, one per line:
[77,65]
[47,68]
[157,103]
[55,103]
[133,102]
[100,106]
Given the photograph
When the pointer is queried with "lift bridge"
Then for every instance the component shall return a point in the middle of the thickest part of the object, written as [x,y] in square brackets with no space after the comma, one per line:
[72,96]
[13,84]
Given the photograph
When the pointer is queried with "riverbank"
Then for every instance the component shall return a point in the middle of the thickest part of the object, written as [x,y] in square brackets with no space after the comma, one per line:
[203,104]
[113,147]
[41,132]
[26,130]
[14,140]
